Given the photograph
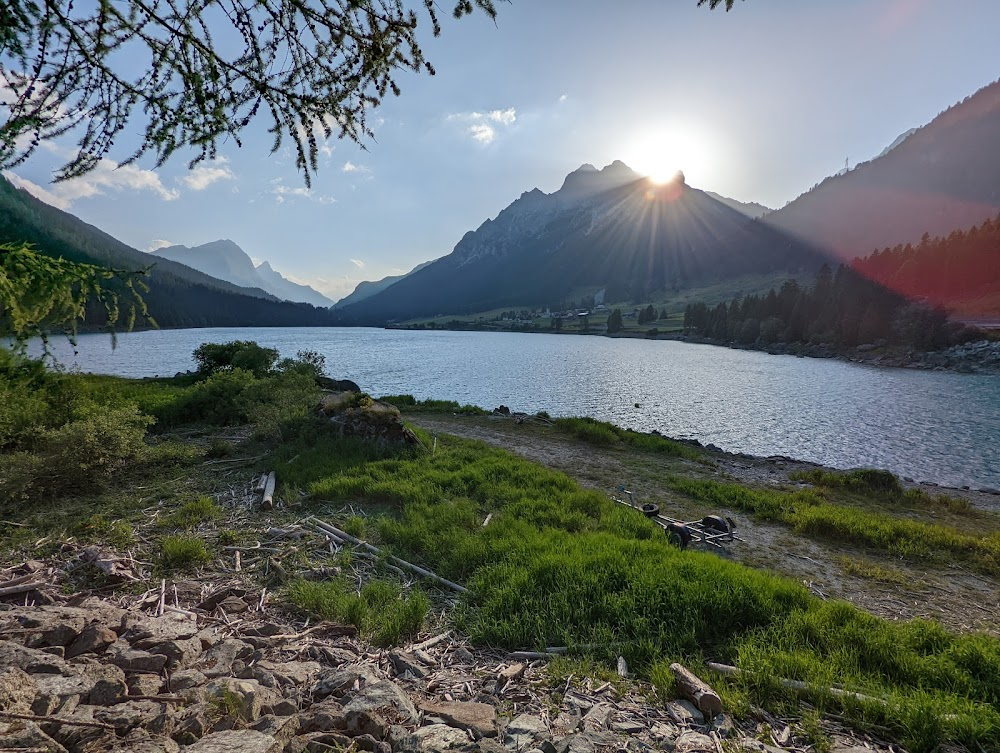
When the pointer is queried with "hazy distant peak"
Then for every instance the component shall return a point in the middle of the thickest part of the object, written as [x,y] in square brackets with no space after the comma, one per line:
[586,167]
[619,167]
[266,266]
[587,179]
[899,140]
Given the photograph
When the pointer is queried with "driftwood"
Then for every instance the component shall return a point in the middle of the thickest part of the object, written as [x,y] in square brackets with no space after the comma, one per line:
[327,528]
[20,588]
[804,687]
[431,642]
[267,501]
[706,699]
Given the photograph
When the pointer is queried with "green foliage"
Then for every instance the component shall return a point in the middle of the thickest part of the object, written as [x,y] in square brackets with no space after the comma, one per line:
[220,448]
[615,322]
[193,512]
[307,362]
[39,293]
[380,611]
[183,553]
[869,480]
[244,355]
[608,435]
[355,525]
[411,404]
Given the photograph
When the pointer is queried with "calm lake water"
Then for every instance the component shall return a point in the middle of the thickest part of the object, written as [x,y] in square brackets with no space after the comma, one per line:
[933,426]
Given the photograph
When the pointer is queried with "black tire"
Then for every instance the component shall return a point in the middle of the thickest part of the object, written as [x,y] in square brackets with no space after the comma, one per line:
[678,535]
[650,510]
[716,523]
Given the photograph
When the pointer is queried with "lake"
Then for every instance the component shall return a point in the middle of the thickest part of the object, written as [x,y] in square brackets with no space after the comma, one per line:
[934,426]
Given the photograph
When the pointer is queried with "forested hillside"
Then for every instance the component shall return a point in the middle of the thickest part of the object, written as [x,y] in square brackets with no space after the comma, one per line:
[178,296]
[960,272]
[842,308]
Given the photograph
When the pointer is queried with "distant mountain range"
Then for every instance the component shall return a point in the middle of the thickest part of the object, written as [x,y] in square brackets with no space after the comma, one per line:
[367,289]
[178,296]
[224,260]
[942,177]
[608,228]
[750,209]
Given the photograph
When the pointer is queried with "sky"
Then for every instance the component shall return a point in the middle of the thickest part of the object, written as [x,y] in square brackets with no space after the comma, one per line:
[758,104]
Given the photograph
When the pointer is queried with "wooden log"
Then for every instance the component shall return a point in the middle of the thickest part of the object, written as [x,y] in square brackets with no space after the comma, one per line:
[267,501]
[799,685]
[21,588]
[706,699]
[431,642]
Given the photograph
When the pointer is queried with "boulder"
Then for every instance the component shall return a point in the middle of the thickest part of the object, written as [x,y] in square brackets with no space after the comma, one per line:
[480,718]
[340,681]
[29,736]
[337,385]
[185,679]
[325,716]
[404,662]
[143,683]
[236,741]
[694,742]
[122,655]
[292,672]
[355,414]
[434,738]
[218,661]
[57,693]
[524,730]
[247,698]
[180,652]
[140,741]
[31,660]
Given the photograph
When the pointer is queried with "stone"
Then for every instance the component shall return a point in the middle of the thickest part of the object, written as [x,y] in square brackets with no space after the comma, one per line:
[130,714]
[221,658]
[284,707]
[694,742]
[193,724]
[376,707]
[93,639]
[233,605]
[480,718]
[57,693]
[628,728]
[325,716]
[292,672]
[107,691]
[31,660]
[319,742]
[576,744]
[513,672]
[404,662]
[281,728]
[143,683]
[143,631]
[723,725]
[185,679]
[524,730]
[433,738]
[121,654]
[17,690]
[340,681]
[236,741]
[29,735]
[247,698]
[684,712]
[180,652]
[597,717]
[140,741]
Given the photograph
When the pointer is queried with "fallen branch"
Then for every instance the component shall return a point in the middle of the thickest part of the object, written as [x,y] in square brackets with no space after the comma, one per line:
[267,501]
[401,562]
[706,699]
[799,685]
[430,642]
[22,588]
[56,720]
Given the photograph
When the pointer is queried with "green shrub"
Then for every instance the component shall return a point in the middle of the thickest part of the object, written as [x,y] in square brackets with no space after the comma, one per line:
[306,362]
[183,553]
[608,435]
[380,612]
[865,480]
[355,525]
[433,406]
[220,448]
[246,355]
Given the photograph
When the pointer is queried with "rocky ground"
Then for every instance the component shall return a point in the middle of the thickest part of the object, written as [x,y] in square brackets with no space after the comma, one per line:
[226,671]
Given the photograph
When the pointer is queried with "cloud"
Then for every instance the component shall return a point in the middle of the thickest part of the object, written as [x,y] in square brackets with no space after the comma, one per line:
[484,127]
[562,98]
[158,244]
[282,193]
[203,175]
[358,263]
[350,167]
[107,175]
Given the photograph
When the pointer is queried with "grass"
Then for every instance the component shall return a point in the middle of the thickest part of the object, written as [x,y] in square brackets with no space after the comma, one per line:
[604,434]
[183,553]
[411,404]
[562,565]
[380,612]
[873,571]
[192,513]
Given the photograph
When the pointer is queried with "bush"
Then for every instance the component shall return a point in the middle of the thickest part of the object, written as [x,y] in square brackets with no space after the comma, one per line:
[194,512]
[238,354]
[183,553]
[306,362]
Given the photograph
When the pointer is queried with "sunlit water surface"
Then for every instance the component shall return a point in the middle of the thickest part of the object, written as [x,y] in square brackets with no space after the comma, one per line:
[934,426]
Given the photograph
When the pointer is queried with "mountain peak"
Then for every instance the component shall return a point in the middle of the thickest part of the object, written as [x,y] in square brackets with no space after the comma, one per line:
[587,180]
[265,266]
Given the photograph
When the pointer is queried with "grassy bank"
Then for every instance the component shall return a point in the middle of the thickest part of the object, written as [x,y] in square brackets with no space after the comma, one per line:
[548,562]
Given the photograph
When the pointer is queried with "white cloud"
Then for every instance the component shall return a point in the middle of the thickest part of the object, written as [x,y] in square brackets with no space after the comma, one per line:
[282,193]
[503,117]
[483,133]
[350,167]
[203,175]
[484,127]
[563,98]
[158,244]
[107,175]
[358,263]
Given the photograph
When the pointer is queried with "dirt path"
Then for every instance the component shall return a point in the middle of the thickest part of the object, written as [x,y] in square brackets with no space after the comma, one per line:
[953,596]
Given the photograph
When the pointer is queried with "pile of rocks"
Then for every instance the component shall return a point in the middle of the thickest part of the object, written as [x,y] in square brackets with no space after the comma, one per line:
[224,676]
[358,415]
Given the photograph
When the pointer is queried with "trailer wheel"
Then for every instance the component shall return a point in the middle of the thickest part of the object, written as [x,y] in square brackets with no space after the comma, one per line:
[716,523]
[678,535]
[650,510]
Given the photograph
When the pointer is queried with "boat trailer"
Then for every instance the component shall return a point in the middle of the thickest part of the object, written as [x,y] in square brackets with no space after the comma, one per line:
[714,530]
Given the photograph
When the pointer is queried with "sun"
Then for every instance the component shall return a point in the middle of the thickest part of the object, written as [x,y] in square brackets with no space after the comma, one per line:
[664,153]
